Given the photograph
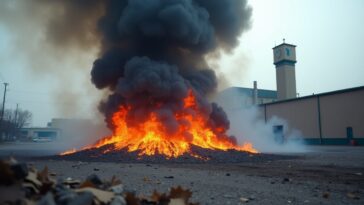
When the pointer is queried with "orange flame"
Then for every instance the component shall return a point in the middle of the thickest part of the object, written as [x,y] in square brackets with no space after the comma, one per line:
[68,152]
[150,137]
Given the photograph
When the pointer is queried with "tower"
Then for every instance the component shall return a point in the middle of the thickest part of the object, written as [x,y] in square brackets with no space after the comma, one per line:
[285,60]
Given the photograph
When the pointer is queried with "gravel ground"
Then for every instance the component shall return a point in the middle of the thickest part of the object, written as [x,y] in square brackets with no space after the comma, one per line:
[324,175]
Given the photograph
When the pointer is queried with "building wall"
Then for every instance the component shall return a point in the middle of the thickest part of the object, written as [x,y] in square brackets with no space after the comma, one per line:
[302,114]
[341,111]
[324,118]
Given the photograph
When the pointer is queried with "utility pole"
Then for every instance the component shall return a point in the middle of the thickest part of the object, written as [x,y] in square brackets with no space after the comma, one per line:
[3,109]
[16,115]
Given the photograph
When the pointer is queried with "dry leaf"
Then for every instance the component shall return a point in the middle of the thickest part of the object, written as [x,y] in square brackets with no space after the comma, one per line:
[102,196]
[115,181]
[178,201]
[131,199]
[43,175]
[87,183]
[162,199]
[6,174]
[181,193]
[30,186]
[32,178]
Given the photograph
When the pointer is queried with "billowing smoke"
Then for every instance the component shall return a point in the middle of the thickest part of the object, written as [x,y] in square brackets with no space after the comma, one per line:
[153,55]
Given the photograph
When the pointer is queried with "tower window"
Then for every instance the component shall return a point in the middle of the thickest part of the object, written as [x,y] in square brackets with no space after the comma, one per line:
[288,52]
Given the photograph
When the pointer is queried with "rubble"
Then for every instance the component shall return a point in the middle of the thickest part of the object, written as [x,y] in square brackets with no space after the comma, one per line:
[22,185]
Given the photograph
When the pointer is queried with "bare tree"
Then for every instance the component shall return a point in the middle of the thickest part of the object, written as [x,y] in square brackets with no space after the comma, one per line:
[13,121]
[23,118]
[20,118]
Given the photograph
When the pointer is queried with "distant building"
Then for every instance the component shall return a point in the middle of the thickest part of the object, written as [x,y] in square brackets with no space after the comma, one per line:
[73,131]
[39,134]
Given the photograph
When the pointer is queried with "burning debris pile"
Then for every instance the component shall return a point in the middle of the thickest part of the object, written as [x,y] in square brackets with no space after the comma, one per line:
[153,64]
[22,185]
[196,154]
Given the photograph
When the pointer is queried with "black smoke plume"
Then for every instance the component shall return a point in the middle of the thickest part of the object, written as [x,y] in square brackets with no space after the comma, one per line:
[153,52]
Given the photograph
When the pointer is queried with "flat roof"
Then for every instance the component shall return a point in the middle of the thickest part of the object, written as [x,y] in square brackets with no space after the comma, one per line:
[316,95]
[262,93]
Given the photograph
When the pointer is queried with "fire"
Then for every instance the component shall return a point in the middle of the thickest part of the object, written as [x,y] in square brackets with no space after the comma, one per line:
[150,137]
[68,152]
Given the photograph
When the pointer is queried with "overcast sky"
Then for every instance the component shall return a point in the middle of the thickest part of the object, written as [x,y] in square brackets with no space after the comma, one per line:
[329,35]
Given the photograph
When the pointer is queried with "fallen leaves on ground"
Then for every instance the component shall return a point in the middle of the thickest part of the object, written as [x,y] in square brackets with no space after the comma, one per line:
[30,186]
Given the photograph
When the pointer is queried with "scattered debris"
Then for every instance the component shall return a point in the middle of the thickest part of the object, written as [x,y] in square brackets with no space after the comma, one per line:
[326,195]
[244,200]
[23,185]
[286,180]
[228,196]
[169,177]
[353,195]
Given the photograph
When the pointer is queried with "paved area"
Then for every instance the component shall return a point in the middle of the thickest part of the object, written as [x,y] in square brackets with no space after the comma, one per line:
[322,175]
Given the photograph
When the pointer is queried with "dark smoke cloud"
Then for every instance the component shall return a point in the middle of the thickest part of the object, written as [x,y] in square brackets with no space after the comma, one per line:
[180,32]
[154,52]
[152,79]
[150,51]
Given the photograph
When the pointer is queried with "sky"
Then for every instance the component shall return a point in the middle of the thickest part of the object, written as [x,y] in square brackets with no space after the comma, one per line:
[329,35]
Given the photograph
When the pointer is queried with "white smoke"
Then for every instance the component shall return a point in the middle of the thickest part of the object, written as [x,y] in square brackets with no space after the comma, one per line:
[247,123]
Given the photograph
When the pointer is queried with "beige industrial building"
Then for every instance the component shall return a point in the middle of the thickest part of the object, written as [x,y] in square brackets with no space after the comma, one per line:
[333,118]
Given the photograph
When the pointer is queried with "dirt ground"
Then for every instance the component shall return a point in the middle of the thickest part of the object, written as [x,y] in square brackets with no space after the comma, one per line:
[323,175]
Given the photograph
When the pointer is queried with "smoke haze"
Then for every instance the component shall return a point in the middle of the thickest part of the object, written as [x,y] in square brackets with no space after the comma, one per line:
[55,41]
[248,124]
